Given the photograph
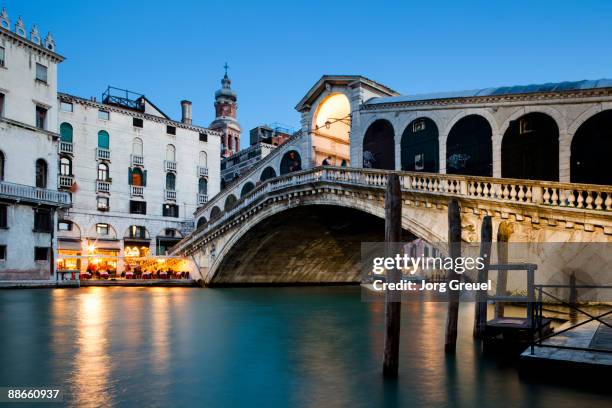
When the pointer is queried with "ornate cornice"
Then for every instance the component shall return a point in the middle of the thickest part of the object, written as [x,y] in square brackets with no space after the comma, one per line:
[32,46]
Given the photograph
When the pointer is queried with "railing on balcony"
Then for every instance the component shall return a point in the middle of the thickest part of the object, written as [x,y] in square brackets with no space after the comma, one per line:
[137,160]
[65,181]
[170,195]
[136,191]
[202,199]
[103,186]
[33,194]
[102,153]
[169,165]
[202,171]
[66,147]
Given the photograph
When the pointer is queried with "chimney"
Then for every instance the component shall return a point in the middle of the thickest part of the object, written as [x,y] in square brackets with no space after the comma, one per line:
[186,109]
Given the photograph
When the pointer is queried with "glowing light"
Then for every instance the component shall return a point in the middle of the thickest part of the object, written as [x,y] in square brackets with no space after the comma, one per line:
[335,107]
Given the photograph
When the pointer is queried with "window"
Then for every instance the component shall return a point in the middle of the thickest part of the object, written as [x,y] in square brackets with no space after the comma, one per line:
[137,231]
[41,253]
[103,115]
[2,253]
[137,122]
[138,207]
[203,159]
[41,173]
[203,137]
[136,177]
[66,132]
[66,107]
[525,126]
[202,186]
[170,181]
[2,64]
[41,117]
[3,216]
[42,220]
[103,172]
[171,130]
[1,105]
[137,146]
[103,139]
[65,166]
[41,73]
[103,203]
[170,210]
[102,229]
[418,126]
[64,225]
[170,153]
[2,160]
[169,232]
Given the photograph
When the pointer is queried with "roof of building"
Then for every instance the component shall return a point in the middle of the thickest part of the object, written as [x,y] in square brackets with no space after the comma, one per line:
[499,91]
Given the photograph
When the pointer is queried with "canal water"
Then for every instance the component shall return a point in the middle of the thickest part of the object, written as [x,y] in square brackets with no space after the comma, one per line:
[255,347]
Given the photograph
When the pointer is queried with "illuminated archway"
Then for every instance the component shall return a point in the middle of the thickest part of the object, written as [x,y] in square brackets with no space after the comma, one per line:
[332,123]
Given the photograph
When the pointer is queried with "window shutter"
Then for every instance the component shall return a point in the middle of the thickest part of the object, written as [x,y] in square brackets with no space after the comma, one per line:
[130,176]
[144,178]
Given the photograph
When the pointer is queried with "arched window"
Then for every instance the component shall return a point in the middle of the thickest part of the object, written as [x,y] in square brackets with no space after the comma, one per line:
[103,139]
[290,162]
[137,146]
[202,186]
[267,174]
[41,173]
[2,166]
[103,172]
[170,181]
[203,159]
[136,177]
[66,132]
[170,153]
[65,166]
[246,189]
[379,146]
[469,147]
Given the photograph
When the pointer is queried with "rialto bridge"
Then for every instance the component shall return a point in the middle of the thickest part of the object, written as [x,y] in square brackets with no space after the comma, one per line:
[534,157]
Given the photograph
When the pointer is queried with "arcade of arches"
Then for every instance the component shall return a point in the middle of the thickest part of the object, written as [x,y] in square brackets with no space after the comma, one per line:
[330,138]
[469,147]
[379,146]
[591,150]
[420,151]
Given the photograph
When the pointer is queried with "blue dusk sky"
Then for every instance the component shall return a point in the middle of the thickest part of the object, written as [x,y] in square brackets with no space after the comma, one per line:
[278,49]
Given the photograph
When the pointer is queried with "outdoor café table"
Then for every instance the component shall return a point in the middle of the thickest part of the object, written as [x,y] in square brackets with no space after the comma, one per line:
[146,275]
[163,275]
[104,275]
[129,275]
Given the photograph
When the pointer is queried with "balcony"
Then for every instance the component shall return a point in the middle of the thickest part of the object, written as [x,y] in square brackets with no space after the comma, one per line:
[65,181]
[170,195]
[66,147]
[202,199]
[137,160]
[169,165]
[202,171]
[102,154]
[35,195]
[136,191]
[102,186]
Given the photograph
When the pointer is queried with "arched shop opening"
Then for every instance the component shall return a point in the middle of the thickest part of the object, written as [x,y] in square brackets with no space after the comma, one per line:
[246,189]
[331,134]
[378,146]
[530,148]
[591,150]
[469,148]
[420,149]
[290,162]
[267,174]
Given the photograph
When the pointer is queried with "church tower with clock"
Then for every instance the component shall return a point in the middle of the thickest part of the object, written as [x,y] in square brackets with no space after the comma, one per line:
[225,117]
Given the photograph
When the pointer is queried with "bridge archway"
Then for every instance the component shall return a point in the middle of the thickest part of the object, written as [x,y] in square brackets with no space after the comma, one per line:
[267,174]
[230,202]
[379,146]
[290,162]
[419,146]
[469,147]
[331,127]
[530,148]
[591,150]
[201,222]
[215,213]
[246,188]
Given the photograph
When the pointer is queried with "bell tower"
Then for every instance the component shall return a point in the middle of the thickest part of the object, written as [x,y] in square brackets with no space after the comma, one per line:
[225,117]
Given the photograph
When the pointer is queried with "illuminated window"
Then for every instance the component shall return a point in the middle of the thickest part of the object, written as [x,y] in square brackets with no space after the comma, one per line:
[102,229]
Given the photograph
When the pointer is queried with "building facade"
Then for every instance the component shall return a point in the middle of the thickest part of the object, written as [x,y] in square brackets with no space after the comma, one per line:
[135,175]
[226,108]
[29,200]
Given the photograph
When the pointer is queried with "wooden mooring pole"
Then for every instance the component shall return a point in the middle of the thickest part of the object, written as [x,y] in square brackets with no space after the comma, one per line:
[454,251]
[503,236]
[480,310]
[393,231]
